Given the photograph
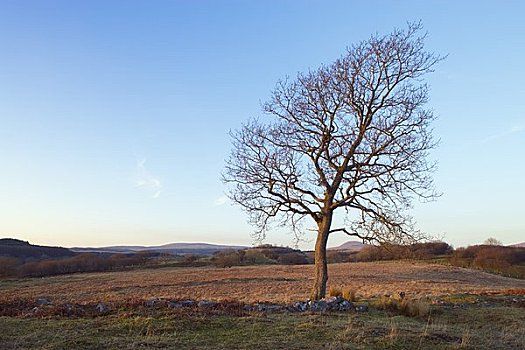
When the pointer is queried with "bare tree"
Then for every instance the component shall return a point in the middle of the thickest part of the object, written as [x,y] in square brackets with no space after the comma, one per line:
[492,241]
[351,137]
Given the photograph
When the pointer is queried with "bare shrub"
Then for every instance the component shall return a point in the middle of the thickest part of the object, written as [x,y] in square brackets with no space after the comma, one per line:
[430,250]
[415,307]
[349,294]
[427,250]
[493,258]
[256,257]
[191,258]
[226,258]
[335,291]
[492,241]
[337,256]
[8,266]
[406,306]
[295,258]
[370,253]
[507,261]
[86,262]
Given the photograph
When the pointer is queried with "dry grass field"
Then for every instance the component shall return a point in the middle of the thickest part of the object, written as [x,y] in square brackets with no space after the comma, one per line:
[487,318]
[256,283]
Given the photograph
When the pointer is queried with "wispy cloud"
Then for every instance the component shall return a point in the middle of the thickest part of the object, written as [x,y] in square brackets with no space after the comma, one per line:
[513,129]
[220,201]
[518,127]
[146,181]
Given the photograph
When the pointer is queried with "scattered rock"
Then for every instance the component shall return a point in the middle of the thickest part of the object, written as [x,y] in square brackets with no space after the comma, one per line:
[187,303]
[300,306]
[150,303]
[361,308]
[332,300]
[73,310]
[43,301]
[155,302]
[205,304]
[345,305]
[102,308]
[263,307]
[174,305]
[69,309]
[318,306]
[338,304]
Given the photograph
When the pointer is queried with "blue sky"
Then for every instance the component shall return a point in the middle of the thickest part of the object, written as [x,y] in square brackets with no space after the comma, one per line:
[114,115]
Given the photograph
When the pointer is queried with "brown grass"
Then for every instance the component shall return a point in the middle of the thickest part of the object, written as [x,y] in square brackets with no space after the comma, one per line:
[256,283]
[407,306]
[349,294]
[335,291]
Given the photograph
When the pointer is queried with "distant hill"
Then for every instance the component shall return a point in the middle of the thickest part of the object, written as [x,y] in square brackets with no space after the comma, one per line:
[171,248]
[518,245]
[22,250]
[353,246]
[13,242]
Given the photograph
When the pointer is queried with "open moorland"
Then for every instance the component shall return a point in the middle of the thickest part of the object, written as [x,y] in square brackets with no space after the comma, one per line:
[467,309]
[274,283]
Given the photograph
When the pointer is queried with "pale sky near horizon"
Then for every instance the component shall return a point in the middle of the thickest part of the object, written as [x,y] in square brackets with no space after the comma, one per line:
[114,115]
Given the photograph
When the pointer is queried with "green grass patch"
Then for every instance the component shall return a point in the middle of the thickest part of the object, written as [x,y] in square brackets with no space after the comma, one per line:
[471,328]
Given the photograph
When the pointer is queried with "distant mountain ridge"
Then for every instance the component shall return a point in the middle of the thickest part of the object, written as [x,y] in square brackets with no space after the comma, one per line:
[170,248]
[15,248]
[519,245]
[353,246]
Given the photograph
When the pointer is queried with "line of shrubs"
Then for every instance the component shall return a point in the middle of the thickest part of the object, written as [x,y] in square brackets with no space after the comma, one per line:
[85,262]
[419,251]
[261,255]
[507,261]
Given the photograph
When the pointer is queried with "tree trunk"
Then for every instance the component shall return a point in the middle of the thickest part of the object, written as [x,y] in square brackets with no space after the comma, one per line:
[321,262]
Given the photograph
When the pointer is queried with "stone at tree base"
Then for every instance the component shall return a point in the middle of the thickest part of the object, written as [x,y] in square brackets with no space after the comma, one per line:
[319,305]
[345,305]
[300,306]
